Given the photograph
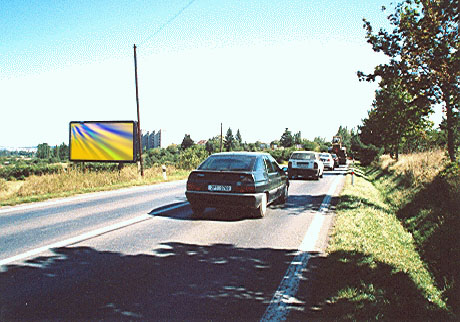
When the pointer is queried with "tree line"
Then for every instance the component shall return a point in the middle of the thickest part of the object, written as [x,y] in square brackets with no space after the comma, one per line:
[422,73]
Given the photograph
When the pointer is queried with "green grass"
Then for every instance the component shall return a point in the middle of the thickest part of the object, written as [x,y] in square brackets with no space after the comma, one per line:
[373,269]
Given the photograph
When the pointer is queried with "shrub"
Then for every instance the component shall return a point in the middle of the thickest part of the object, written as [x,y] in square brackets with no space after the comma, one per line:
[191,157]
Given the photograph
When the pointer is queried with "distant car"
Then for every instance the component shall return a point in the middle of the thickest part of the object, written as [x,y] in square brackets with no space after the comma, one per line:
[240,179]
[305,164]
[336,160]
[328,160]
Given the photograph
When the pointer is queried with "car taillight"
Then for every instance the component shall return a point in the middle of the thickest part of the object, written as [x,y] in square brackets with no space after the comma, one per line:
[328,160]
[245,185]
[194,186]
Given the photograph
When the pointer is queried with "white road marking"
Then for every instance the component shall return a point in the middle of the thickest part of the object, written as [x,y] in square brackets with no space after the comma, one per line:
[278,309]
[86,236]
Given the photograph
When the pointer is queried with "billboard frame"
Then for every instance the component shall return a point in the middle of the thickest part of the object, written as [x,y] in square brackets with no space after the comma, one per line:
[135,143]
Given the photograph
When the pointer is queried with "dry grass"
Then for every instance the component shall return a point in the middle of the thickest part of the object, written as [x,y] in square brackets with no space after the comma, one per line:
[420,167]
[74,181]
[414,171]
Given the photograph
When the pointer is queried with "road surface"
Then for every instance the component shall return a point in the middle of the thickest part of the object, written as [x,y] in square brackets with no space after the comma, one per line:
[138,254]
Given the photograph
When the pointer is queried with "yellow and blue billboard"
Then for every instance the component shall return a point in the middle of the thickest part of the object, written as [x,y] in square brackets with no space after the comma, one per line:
[106,141]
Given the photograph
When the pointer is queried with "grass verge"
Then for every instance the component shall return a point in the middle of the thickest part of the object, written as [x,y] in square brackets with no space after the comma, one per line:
[374,269]
[72,182]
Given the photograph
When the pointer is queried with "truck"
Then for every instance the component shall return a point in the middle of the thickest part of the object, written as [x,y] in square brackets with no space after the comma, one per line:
[338,149]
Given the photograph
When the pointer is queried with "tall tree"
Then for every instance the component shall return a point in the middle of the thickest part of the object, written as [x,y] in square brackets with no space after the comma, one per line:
[187,142]
[238,137]
[229,140]
[394,118]
[423,48]
[287,140]
[43,151]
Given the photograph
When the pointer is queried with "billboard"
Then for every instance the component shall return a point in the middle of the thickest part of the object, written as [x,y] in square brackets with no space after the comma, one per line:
[103,141]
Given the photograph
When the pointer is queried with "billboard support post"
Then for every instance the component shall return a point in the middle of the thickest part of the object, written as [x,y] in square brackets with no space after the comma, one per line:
[139,135]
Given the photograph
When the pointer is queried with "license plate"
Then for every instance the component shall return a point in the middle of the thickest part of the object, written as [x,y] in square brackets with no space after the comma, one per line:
[213,187]
[304,165]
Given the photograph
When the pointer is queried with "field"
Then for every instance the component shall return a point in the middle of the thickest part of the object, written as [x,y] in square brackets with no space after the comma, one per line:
[74,181]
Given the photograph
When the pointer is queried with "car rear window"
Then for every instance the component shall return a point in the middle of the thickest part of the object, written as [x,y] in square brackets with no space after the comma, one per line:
[324,155]
[303,156]
[228,163]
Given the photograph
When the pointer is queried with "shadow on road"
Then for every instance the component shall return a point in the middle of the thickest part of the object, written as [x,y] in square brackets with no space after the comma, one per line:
[186,282]
[295,205]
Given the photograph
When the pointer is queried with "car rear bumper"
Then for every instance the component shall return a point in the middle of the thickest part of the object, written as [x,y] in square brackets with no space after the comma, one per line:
[303,172]
[219,199]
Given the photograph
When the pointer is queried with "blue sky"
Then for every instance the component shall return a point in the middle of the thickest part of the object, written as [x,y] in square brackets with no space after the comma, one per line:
[257,66]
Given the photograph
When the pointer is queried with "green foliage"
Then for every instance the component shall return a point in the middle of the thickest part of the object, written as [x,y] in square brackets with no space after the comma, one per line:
[21,171]
[159,156]
[229,141]
[187,142]
[281,155]
[192,157]
[43,151]
[287,140]
[423,52]
[365,153]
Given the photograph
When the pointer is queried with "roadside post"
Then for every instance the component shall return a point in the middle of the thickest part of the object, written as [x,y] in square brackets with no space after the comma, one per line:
[353,173]
[163,168]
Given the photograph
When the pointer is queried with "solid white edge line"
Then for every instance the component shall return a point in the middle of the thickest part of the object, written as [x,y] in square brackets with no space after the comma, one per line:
[278,309]
[85,236]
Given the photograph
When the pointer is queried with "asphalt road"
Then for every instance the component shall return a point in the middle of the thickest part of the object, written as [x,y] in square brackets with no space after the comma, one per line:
[137,254]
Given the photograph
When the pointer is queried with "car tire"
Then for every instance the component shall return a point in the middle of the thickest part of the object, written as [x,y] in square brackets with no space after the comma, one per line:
[284,196]
[262,209]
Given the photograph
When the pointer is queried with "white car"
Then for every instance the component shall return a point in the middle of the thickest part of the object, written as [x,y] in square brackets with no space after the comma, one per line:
[328,160]
[303,164]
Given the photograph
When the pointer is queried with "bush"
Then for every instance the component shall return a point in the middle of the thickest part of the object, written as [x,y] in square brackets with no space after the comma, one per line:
[22,171]
[192,157]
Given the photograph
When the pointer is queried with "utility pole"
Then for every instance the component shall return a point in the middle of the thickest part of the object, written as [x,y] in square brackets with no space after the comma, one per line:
[139,136]
[221,138]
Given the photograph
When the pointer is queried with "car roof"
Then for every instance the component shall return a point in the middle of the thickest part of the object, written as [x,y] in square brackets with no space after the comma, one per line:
[304,152]
[240,153]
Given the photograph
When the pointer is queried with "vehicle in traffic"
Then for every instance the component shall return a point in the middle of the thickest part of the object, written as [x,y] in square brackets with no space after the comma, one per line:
[338,149]
[328,160]
[305,164]
[336,160]
[250,180]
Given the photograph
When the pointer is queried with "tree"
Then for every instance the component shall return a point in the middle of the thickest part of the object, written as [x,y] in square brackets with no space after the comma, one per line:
[238,138]
[229,140]
[423,49]
[63,152]
[394,117]
[43,151]
[287,140]
[298,138]
[187,142]
[213,145]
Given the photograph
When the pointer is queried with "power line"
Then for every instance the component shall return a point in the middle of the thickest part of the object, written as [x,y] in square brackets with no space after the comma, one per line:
[163,26]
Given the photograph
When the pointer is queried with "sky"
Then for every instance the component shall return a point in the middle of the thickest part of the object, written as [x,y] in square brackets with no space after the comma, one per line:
[253,65]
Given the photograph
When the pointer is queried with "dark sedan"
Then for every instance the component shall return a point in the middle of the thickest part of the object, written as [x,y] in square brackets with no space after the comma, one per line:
[237,179]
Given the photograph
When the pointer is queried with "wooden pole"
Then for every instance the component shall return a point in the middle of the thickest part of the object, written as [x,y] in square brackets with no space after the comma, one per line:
[139,135]
[221,138]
